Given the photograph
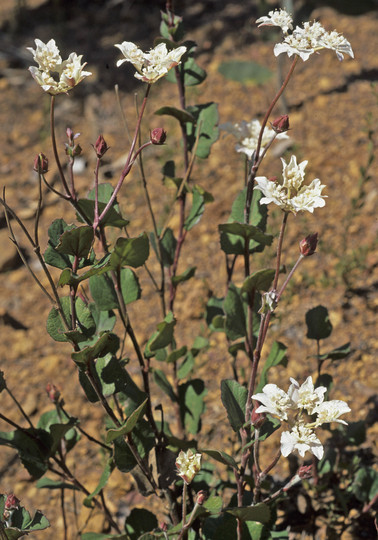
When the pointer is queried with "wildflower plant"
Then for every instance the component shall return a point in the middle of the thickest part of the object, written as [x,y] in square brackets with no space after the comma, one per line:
[99,279]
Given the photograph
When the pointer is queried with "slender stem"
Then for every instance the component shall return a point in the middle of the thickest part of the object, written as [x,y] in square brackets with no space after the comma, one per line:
[89,437]
[56,155]
[96,190]
[257,160]
[27,418]
[184,496]
[128,163]
[62,506]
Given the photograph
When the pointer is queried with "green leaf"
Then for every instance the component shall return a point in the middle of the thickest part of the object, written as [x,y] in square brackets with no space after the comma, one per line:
[167,246]
[161,380]
[186,366]
[51,256]
[171,29]
[199,199]
[33,446]
[206,126]
[130,252]
[144,440]
[244,231]
[214,313]
[68,277]
[235,244]
[176,354]
[77,242]
[190,72]
[277,356]
[103,346]
[185,276]
[337,354]
[365,484]
[245,72]
[220,456]
[318,324]
[128,426]
[48,483]
[259,512]
[86,326]
[234,397]
[235,314]
[103,292]
[181,115]
[260,281]
[191,401]
[162,337]
[113,217]
[139,521]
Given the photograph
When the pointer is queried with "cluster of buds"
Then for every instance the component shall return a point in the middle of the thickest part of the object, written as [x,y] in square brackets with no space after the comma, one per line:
[281,124]
[72,148]
[11,503]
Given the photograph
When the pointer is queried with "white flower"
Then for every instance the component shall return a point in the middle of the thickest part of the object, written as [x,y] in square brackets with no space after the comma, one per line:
[247,134]
[302,439]
[188,465]
[292,195]
[152,65]
[329,411]
[274,401]
[46,55]
[52,74]
[306,40]
[306,396]
[278,17]
[337,43]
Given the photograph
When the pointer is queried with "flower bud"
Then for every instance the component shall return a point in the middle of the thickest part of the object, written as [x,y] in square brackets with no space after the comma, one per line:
[281,124]
[201,497]
[52,392]
[100,146]
[307,246]
[12,502]
[257,419]
[158,136]
[41,164]
[305,471]
[163,526]
[188,465]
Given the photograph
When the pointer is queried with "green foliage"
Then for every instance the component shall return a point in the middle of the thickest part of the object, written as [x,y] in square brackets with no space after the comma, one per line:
[234,397]
[245,72]
[191,401]
[205,130]
[318,324]
[20,522]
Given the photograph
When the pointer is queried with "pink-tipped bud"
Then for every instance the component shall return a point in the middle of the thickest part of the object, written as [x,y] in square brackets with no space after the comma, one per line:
[307,246]
[12,502]
[257,419]
[273,179]
[158,136]
[41,164]
[305,471]
[52,392]
[201,497]
[281,124]
[163,526]
[100,146]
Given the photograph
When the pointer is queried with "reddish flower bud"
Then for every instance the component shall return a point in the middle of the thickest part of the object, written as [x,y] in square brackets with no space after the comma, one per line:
[273,179]
[307,246]
[100,146]
[52,392]
[41,164]
[12,502]
[201,497]
[305,471]
[257,419]
[163,526]
[158,136]
[281,124]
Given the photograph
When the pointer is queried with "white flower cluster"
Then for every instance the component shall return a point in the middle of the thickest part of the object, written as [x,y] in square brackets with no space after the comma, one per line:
[305,40]
[292,195]
[247,134]
[54,75]
[293,406]
[153,65]
[188,465]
